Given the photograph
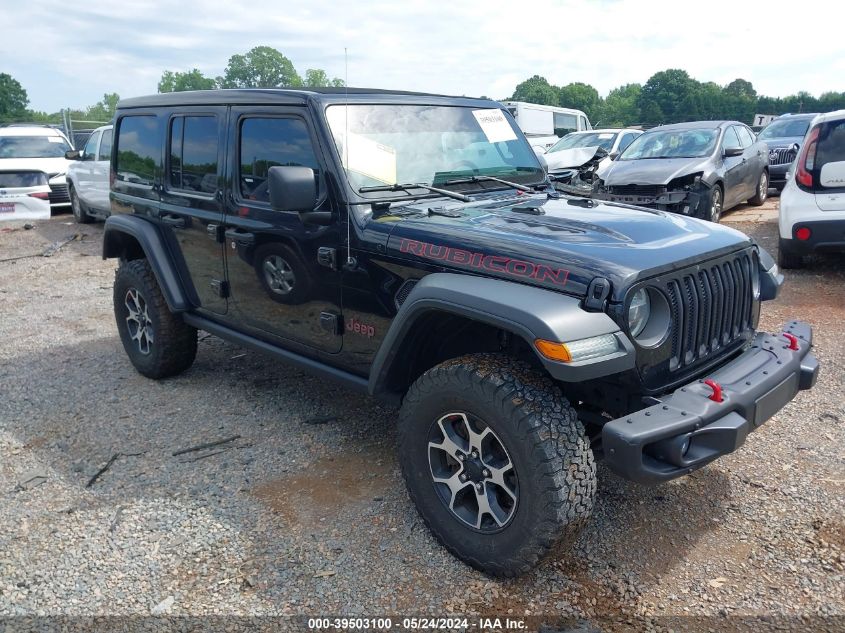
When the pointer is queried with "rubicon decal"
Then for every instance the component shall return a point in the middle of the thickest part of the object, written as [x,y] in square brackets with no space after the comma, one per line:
[480,261]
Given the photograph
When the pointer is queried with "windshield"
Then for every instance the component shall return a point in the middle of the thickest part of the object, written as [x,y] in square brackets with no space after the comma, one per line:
[33,147]
[672,144]
[593,139]
[785,128]
[428,144]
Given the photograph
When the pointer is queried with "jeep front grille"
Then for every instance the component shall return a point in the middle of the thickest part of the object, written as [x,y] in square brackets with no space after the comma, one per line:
[711,308]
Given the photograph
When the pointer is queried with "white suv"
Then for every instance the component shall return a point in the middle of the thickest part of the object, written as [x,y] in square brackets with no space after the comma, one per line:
[812,205]
[37,148]
[88,177]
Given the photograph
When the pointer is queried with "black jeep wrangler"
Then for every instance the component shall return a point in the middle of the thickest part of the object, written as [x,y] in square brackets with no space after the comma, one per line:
[412,247]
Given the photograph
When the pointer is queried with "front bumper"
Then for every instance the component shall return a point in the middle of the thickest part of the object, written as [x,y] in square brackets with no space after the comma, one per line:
[777,175]
[687,429]
[692,203]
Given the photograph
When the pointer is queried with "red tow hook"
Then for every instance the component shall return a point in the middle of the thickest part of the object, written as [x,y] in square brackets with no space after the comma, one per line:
[716,396]
[793,340]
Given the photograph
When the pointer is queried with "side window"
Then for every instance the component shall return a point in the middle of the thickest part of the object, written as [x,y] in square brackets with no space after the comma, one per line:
[582,123]
[270,142]
[626,140]
[565,123]
[745,137]
[731,140]
[138,150]
[91,146]
[104,152]
[193,154]
[831,149]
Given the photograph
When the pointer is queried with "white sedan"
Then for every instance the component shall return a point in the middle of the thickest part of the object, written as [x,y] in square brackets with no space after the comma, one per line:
[576,148]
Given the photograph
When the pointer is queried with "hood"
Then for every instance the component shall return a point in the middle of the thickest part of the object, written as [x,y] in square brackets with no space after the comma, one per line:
[572,242]
[47,165]
[650,171]
[574,157]
[785,141]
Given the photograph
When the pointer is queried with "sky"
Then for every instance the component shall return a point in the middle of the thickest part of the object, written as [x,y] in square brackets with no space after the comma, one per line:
[65,55]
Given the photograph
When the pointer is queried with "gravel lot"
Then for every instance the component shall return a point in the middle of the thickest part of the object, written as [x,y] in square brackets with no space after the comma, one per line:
[305,511]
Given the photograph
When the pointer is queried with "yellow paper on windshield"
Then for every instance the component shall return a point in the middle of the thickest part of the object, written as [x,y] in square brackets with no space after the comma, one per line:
[370,158]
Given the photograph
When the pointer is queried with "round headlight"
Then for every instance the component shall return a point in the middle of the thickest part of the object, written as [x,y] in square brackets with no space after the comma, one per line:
[638,312]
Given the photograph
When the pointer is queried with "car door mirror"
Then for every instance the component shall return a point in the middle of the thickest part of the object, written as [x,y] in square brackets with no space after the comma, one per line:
[613,155]
[732,151]
[295,189]
[73,154]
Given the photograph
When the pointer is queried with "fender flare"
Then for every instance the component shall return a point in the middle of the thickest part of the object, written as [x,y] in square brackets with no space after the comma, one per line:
[526,311]
[119,228]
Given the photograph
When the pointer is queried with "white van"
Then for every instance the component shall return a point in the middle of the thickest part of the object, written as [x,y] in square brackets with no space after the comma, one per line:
[543,125]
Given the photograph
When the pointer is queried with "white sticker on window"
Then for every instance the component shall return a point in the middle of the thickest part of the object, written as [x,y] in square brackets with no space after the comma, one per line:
[494,125]
[606,135]
[55,139]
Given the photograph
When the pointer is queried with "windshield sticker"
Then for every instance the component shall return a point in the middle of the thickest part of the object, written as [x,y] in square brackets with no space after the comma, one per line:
[605,135]
[55,139]
[494,125]
[492,263]
[370,158]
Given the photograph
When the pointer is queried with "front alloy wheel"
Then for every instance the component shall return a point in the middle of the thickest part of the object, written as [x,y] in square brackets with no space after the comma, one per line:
[472,472]
[716,204]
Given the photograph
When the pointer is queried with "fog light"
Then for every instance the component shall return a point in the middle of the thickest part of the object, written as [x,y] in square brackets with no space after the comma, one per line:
[803,234]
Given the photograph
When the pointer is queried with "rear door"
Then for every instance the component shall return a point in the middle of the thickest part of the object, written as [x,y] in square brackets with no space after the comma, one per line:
[191,208]
[830,163]
[282,279]
[100,173]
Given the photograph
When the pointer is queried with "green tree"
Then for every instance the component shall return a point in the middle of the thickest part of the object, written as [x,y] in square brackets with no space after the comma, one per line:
[664,92]
[536,90]
[741,88]
[620,108]
[190,80]
[13,99]
[317,78]
[580,96]
[261,67]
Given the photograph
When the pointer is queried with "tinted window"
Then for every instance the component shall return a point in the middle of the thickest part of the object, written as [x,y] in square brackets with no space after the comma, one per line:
[105,146]
[266,143]
[831,144]
[672,143]
[22,179]
[745,136]
[137,150]
[91,146]
[731,140]
[565,123]
[785,128]
[193,153]
[32,147]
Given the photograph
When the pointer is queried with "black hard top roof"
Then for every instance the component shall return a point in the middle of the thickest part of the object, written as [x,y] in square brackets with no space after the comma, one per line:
[290,96]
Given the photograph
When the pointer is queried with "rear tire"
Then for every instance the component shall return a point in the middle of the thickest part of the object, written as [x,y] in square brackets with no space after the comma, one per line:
[533,461]
[762,191]
[786,258]
[158,342]
[79,212]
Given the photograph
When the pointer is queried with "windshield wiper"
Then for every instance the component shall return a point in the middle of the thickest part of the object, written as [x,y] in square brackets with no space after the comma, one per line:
[464,181]
[409,186]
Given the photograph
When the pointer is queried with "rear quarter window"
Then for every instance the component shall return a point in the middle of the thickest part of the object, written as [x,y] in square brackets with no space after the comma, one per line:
[138,151]
[830,155]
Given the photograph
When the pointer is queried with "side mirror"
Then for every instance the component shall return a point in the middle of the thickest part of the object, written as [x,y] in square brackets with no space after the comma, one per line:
[73,154]
[613,155]
[732,151]
[295,189]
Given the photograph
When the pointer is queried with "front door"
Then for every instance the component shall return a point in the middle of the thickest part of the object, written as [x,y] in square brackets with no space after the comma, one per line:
[100,173]
[282,278]
[191,207]
[735,170]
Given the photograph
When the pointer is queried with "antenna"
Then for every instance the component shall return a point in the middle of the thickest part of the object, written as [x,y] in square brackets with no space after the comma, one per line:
[349,261]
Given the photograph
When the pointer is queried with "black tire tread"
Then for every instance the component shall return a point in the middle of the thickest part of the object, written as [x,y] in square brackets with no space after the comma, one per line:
[756,200]
[176,339]
[547,422]
[84,216]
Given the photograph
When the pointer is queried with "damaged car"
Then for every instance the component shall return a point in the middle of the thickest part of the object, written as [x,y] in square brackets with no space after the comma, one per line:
[699,169]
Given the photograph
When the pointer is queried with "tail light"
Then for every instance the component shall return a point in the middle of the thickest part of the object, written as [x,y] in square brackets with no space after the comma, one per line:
[806,160]
[41,195]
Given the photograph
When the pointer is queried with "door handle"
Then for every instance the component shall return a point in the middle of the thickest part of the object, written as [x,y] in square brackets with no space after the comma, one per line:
[176,221]
[240,237]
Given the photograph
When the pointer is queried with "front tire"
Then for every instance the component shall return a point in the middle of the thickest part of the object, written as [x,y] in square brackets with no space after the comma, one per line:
[496,461]
[159,344]
[715,204]
[79,212]
[762,191]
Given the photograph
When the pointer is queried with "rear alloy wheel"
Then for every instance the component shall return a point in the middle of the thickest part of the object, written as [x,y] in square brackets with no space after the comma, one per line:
[496,461]
[714,213]
[79,213]
[762,191]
